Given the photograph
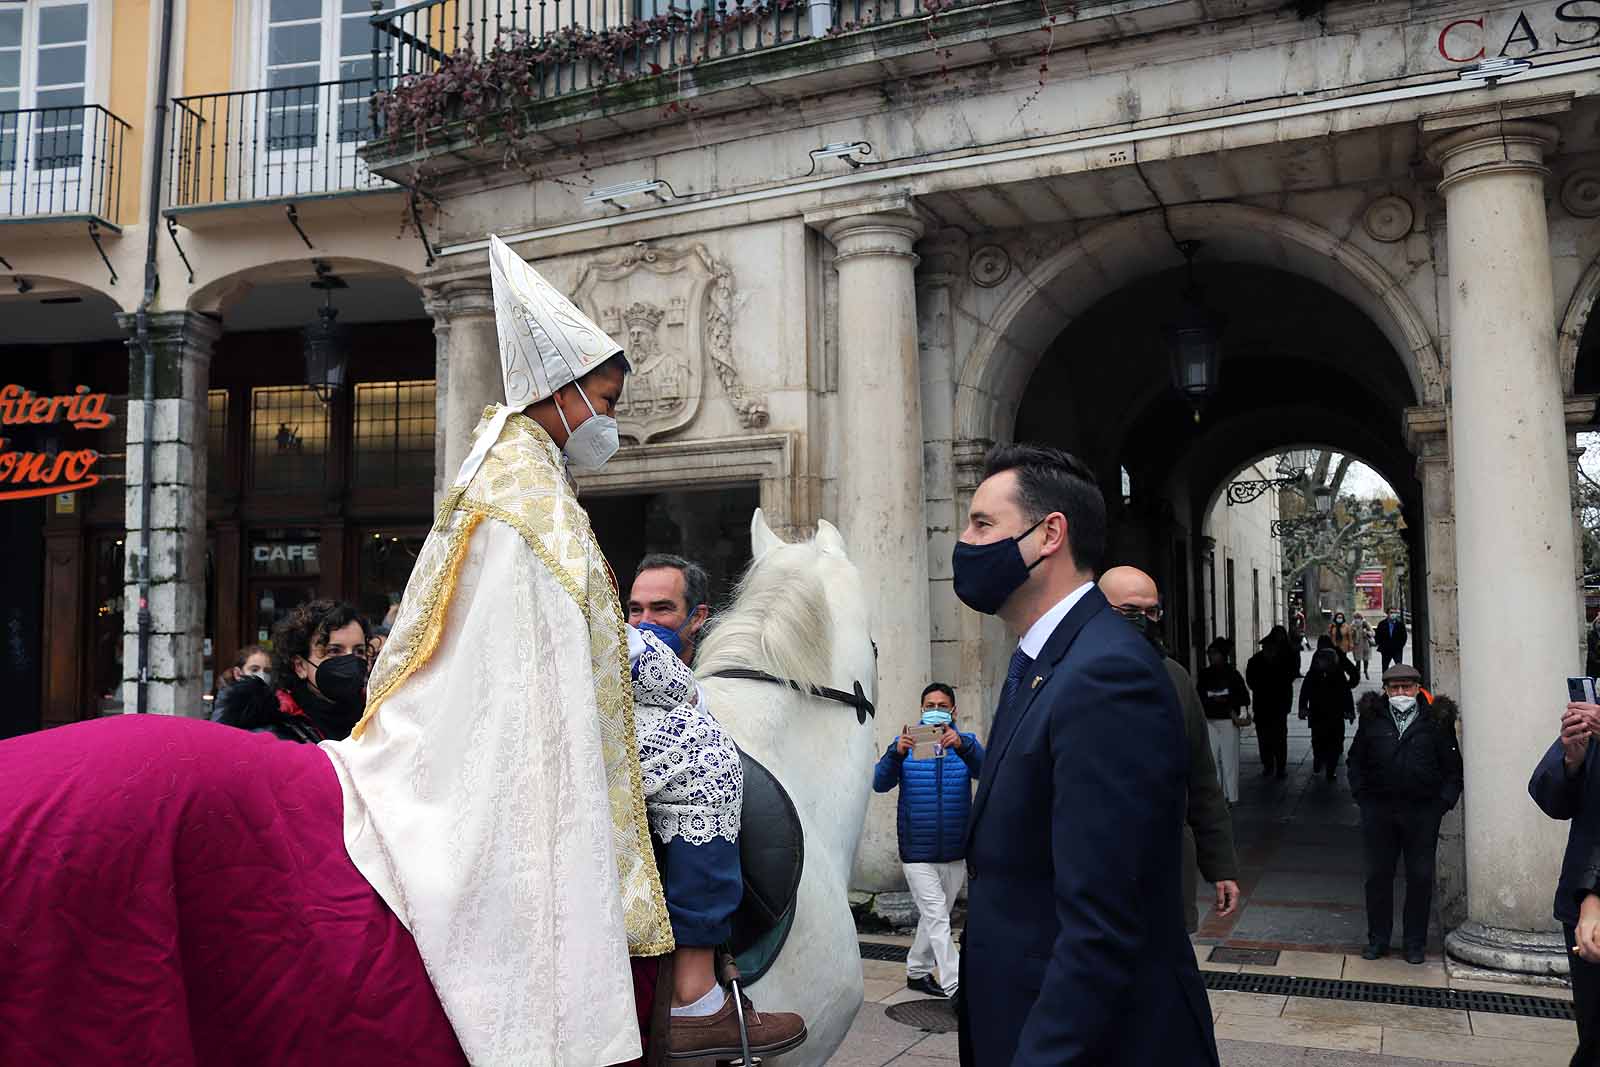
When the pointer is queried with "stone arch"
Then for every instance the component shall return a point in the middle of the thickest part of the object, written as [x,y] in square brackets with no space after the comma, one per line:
[1020,321]
[216,295]
[1569,337]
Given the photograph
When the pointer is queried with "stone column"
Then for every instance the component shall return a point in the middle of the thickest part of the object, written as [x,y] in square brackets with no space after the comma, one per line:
[1513,533]
[1427,433]
[880,478]
[943,256]
[466,369]
[181,344]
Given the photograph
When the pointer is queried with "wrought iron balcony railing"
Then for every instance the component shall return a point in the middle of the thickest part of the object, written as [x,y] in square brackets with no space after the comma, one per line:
[272,144]
[568,46]
[61,161]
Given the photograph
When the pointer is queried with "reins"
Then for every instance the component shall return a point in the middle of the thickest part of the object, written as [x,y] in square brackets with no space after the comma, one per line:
[857,700]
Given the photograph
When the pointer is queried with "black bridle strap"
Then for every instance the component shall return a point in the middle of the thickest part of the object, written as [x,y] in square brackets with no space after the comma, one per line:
[857,700]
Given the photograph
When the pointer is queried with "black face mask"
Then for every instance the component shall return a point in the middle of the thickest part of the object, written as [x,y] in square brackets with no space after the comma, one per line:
[986,575]
[1147,627]
[343,680]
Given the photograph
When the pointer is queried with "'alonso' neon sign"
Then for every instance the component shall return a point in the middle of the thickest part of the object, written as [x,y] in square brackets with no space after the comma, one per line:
[33,474]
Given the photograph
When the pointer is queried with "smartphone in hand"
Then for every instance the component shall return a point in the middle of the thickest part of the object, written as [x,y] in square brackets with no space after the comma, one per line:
[1580,691]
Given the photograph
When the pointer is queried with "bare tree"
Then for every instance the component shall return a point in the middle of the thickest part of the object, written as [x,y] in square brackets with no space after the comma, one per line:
[1342,539]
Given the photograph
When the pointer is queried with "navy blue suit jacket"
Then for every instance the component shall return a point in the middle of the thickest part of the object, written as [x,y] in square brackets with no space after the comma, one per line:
[1075,947]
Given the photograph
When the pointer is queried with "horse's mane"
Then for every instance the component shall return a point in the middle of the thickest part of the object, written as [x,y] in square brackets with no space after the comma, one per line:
[779,621]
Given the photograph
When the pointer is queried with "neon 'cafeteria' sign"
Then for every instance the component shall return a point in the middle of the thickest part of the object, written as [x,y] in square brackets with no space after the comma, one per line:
[31,474]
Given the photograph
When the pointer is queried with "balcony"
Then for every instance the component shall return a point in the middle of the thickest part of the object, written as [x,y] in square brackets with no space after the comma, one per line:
[61,168]
[256,151]
[481,82]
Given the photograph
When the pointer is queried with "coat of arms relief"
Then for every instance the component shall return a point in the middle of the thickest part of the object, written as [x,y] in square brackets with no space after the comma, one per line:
[672,310]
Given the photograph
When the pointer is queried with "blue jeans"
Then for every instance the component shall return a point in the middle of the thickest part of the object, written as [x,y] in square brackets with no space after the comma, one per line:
[703,886]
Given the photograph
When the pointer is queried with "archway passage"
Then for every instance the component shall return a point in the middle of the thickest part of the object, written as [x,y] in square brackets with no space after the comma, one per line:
[1305,370]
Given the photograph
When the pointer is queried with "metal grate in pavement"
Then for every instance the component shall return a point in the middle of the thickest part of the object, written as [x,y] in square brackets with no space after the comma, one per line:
[1534,1007]
[932,1016]
[1259,957]
[878,950]
[1385,993]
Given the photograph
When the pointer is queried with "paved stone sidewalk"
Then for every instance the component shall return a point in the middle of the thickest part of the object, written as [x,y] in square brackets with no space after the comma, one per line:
[1254,1030]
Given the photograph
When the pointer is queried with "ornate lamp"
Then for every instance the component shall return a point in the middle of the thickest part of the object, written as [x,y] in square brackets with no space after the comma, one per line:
[1194,340]
[327,354]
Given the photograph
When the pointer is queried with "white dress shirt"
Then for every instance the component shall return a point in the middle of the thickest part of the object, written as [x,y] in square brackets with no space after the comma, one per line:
[1038,634]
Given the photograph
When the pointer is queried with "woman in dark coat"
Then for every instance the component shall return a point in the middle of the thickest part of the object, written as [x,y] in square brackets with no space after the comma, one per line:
[1270,675]
[1326,701]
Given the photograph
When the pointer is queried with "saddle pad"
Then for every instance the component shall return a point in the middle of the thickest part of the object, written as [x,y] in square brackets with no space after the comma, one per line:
[772,856]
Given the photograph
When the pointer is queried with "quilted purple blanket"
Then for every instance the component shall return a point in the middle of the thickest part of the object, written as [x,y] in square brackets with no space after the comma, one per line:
[177,892]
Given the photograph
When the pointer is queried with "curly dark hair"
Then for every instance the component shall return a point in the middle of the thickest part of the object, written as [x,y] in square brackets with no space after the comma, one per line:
[307,626]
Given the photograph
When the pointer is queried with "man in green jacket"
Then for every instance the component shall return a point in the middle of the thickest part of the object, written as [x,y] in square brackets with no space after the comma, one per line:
[1208,835]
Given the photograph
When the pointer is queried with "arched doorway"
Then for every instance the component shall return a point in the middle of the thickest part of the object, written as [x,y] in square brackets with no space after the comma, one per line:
[1321,350]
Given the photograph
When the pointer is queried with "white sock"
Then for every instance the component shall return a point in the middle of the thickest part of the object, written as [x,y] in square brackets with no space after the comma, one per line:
[709,1004]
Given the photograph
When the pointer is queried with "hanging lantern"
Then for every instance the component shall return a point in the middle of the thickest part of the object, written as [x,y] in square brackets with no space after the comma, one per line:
[327,353]
[1194,341]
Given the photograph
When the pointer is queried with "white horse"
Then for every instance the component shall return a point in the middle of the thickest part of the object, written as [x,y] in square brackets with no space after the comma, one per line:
[799,614]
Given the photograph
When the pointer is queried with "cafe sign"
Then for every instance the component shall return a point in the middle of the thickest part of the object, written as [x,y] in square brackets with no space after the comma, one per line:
[34,474]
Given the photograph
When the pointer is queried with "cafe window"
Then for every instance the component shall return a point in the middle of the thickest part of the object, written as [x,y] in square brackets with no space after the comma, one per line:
[386,558]
[394,434]
[288,437]
[216,440]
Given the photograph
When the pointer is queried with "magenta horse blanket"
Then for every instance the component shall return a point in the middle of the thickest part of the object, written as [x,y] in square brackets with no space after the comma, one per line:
[177,892]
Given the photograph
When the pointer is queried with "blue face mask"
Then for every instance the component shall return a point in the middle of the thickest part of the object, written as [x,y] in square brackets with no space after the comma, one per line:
[671,638]
[936,717]
[985,576]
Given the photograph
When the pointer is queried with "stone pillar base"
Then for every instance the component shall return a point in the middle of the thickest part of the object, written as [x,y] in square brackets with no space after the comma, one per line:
[1495,955]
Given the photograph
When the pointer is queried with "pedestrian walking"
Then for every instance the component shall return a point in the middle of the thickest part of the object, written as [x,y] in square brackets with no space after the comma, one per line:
[1074,950]
[1208,829]
[1299,625]
[931,820]
[1566,785]
[1325,701]
[1390,638]
[1270,675]
[1405,773]
[1341,634]
[1362,645]
[1224,696]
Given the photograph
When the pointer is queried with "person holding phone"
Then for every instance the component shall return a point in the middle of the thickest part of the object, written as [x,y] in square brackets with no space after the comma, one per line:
[1566,785]
[935,796]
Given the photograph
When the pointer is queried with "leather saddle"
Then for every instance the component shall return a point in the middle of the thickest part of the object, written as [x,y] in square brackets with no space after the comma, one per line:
[772,857]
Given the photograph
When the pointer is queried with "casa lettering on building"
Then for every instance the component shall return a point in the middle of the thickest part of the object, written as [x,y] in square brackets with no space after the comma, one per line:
[1525,31]
[25,474]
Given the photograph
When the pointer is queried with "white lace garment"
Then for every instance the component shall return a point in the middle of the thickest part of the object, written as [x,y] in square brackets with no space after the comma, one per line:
[693,784]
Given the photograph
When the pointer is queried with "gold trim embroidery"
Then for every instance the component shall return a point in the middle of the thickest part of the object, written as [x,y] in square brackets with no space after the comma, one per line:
[522,484]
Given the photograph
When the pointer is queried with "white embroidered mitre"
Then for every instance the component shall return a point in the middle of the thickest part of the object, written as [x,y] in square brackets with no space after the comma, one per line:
[545,343]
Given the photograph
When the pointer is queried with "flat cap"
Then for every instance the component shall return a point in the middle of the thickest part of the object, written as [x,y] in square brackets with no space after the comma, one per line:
[1402,672]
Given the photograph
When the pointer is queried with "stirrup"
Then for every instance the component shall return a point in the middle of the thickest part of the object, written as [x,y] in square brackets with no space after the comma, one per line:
[728,975]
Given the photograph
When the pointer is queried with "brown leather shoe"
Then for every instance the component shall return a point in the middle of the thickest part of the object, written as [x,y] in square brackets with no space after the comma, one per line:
[717,1036]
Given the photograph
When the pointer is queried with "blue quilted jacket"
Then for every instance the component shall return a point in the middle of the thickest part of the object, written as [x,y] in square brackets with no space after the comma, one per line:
[935,796]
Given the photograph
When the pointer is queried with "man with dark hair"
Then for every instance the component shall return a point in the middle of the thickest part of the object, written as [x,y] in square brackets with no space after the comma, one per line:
[1075,946]
[319,665]
[671,592]
[931,819]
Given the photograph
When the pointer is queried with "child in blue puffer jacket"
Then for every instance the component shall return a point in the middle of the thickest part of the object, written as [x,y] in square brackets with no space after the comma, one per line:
[935,796]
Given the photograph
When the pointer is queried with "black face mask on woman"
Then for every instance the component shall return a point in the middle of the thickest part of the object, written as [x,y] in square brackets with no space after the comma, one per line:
[986,575]
[343,680]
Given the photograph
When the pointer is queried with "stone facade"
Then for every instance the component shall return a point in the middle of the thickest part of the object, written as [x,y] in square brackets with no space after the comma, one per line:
[1407,258]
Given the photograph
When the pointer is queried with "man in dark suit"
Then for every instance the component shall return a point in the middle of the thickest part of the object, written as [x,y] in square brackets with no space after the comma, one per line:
[1075,952]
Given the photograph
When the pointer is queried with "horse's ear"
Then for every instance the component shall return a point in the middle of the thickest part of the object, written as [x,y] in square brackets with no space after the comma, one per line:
[829,539]
[762,539]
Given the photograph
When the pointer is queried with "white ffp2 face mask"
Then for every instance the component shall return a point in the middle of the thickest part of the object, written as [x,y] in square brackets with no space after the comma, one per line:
[593,443]
[1403,705]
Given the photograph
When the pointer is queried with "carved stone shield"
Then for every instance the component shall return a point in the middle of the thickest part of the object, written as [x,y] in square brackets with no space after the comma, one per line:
[654,302]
